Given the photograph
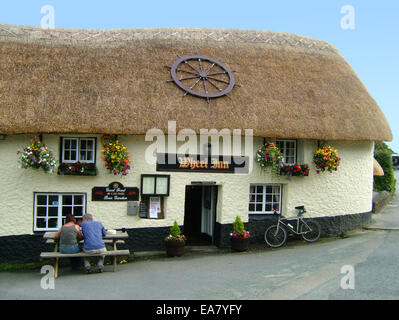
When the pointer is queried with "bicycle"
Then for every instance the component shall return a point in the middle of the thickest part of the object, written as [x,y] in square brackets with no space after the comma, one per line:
[276,235]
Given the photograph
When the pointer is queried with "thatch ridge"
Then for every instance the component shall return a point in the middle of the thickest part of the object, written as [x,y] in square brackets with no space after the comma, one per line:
[114,81]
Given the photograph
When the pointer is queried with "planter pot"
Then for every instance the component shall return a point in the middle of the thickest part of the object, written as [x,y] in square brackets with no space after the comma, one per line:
[174,248]
[239,244]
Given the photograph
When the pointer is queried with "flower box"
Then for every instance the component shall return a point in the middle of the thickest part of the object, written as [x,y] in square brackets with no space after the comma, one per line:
[77,169]
[295,170]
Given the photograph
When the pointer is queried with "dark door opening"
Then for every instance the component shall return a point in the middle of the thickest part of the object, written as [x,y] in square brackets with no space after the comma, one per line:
[200,214]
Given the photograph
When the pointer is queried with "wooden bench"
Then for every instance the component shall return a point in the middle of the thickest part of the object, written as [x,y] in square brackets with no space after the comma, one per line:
[106,241]
[58,255]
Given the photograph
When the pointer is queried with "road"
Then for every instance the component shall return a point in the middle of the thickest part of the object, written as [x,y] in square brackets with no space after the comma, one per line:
[297,271]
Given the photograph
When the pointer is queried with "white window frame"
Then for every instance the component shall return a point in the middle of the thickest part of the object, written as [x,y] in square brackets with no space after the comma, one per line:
[264,198]
[78,150]
[284,149]
[58,205]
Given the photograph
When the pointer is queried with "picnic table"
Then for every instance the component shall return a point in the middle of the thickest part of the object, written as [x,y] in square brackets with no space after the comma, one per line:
[109,238]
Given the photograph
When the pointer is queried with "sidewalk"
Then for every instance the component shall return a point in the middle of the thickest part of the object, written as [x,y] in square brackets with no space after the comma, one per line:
[388,217]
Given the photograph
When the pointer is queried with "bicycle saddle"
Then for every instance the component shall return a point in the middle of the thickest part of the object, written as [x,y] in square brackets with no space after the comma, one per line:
[300,208]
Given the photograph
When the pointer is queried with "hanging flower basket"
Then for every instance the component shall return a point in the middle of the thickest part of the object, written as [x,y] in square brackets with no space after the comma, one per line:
[295,170]
[270,156]
[37,156]
[326,158]
[116,158]
[77,169]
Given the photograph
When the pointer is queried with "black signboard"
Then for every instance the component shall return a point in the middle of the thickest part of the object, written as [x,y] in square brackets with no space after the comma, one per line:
[115,192]
[201,163]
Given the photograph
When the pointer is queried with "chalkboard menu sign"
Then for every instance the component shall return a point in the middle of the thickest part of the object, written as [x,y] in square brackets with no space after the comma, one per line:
[115,192]
[143,209]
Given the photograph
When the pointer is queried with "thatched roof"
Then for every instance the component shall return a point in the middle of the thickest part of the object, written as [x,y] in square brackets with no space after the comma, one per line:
[115,82]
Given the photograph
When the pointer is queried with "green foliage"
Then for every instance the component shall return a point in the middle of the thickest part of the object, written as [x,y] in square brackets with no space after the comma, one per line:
[386,182]
[382,146]
[175,230]
[238,226]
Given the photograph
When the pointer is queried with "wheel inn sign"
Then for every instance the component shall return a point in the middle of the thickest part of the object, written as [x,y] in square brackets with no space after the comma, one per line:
[202,76]
[202,163]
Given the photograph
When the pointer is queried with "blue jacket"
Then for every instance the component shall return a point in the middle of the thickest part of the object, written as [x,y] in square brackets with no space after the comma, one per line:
[93,232]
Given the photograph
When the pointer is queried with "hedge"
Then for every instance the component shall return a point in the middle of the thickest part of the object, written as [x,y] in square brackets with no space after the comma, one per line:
[387,181]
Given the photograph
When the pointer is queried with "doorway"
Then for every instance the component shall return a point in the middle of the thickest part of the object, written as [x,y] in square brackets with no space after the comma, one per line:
[200,214]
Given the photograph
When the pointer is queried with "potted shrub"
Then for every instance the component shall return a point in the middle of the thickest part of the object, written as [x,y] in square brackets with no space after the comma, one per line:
[175,241]
[239,237]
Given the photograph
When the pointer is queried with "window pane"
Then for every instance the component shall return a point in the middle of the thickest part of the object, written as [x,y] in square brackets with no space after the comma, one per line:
[82,155]
[66,210]
[82,144]
[89,156]
[41,200]
[251,207]
[73,144]
[53,211]
[67,200]
[259,198]
[53,200]
[268,207]
[78,200]
[40,223]
[73,156]
[52,223]
[162,185]
[67,144]
[269,189]
[148,185]
[252,189]
[259,189]
[259,207]
[67,155]
[276,189]
[77,211]
[41,211]
[251,198]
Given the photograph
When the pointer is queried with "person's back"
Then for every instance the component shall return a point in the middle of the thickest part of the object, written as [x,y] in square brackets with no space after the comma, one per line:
[93,231]
[69,235]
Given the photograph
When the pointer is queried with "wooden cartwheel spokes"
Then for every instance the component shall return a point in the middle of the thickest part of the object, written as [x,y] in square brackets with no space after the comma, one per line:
[202,76]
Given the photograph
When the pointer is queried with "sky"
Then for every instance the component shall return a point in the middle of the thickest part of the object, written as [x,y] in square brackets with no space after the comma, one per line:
[364,31]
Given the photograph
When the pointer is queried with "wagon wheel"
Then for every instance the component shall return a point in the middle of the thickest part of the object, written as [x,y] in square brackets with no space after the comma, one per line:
[202,76]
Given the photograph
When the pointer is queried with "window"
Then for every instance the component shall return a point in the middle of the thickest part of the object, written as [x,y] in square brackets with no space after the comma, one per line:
[288,149]
[78,150]
[155,185]
[50,209]
[264,198]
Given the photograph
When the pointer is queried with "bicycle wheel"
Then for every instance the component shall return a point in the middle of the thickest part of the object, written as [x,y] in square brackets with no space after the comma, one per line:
[311,230]
[275,237]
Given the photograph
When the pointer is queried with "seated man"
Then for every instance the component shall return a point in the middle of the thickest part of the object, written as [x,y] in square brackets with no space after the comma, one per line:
[93,231]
